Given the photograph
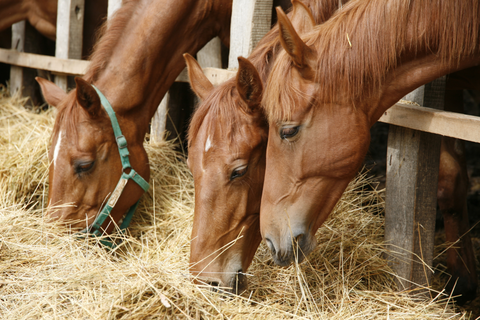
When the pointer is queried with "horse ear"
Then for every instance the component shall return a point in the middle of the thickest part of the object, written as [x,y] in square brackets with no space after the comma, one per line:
[301,18]
[52,94]
[198,81]
[249,84]
[87,97]
[291,41]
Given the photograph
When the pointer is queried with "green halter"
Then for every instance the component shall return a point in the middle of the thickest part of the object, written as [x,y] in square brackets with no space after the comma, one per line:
[94,228]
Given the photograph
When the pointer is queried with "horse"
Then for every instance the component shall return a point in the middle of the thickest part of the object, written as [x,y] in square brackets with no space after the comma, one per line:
[42,15]
[328,88]
[227,139]
[134,63]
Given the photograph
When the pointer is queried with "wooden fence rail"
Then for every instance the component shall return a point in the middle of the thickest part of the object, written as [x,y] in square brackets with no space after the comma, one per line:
[440,122]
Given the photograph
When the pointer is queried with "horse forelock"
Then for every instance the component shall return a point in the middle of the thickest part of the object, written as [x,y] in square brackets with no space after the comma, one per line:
[221,111]
[365,40]
[67,119]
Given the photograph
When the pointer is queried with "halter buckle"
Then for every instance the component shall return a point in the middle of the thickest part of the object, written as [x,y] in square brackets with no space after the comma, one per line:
[121,142]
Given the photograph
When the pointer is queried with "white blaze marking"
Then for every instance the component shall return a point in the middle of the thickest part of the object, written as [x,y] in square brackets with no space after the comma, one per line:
[57,148]
[208,144]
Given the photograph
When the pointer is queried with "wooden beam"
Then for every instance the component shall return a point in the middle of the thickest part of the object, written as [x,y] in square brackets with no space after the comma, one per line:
[411,195]
[216,76]
[38,61]
[70,15]
[251,20]
[78,67]
[209,56]
[450,124]
[22,80]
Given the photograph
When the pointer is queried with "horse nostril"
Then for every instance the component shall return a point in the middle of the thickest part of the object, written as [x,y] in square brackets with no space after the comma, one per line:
[214,283]
[270,246]
[240,283]
[298,238]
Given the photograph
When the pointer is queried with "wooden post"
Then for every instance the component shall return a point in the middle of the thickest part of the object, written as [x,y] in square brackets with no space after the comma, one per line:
[251,20]
[22,80]
[209,56]
[113,6]
[70,15]
[411,195]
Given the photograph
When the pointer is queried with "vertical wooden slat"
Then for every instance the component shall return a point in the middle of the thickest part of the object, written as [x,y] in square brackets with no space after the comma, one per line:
[159,120]
[251,20]
[411,194]
[22,80]
[211,54]
[18,43]
[70,14]
[208,56]
[113,6]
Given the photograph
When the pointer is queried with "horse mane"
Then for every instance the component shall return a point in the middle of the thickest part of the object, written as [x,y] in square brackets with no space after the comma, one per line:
[214,105]
[365,40]
[107,38]
[225,105]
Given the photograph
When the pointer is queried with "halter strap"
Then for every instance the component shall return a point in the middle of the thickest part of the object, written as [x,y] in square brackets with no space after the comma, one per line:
[94,228]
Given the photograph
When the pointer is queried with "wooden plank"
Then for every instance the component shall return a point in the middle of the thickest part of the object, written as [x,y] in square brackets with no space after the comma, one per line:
[113,6]
[37,61]
[18,42]
[411,196]
[78,67]
[451,124]
[22,80]
[70,15]
[216,76]
[251,20]
[159,120]
[209,56]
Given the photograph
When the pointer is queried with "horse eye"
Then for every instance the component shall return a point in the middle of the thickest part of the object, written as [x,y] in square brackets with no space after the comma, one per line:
[238,172]
[289,132]
[83,167]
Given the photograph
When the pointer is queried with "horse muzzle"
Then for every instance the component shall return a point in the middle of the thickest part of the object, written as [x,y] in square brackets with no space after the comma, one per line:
[295,249]
[236,284]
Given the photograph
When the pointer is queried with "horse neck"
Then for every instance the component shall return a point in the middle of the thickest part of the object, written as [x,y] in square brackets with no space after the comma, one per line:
[374,52]
[147,52]
[12,11]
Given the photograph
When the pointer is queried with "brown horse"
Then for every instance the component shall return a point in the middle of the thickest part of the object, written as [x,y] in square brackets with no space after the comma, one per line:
[227,142]
[42,15]
[331,85]
[133,65]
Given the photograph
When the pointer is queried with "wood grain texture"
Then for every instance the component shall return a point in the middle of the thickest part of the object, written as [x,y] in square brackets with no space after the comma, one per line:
[22,80]
[451,124]
[411,199]
[251,20]
[70,14]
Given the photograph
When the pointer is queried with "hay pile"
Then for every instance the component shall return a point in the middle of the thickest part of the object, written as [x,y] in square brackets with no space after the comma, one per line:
[45,273]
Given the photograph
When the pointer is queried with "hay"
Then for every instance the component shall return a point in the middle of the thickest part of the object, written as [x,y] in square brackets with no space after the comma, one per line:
[47,273]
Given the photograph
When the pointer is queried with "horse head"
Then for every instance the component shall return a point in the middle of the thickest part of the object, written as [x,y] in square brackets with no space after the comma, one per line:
[85,164]
[315,147]
[227,141]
